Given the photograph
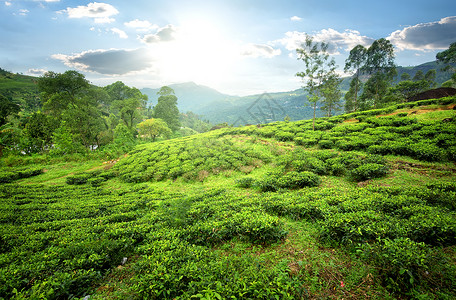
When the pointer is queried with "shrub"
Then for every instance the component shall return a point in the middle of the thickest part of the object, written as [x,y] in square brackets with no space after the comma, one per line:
[326,144]
[78,179]
[10,176]
[401,262]
[245,182]
[368,171]
[292,180]
[427,151]
[299,180]
[284,136]
[7,177]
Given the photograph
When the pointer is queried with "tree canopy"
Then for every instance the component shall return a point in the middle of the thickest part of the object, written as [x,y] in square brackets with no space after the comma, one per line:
[166,108]
[318,68]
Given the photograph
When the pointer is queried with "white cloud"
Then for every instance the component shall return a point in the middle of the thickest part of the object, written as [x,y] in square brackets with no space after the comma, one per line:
[295,18]
[36,72]
[7,3]
[337,40]
[23,12]
[426,36]
[260,50]
[104,20]
[141,25]
[120,32]
[100,12]
[164,34]
[108,62]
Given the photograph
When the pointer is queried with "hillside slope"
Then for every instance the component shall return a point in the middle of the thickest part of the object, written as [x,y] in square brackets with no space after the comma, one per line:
[362,207]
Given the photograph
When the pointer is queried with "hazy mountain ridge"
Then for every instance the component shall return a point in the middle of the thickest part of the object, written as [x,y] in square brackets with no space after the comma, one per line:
[218,107]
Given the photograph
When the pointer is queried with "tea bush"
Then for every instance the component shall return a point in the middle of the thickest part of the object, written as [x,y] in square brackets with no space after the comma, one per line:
[368,171]
[10,176]
[401,261]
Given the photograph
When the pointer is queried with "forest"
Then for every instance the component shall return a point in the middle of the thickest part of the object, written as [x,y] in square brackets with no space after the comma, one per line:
[104,197]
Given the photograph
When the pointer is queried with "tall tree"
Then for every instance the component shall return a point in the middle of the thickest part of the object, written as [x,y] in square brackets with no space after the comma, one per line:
[331,94]
[7,108]
[60,90]
[128,103]
[448,56]
[352,96]
[166,108]
[71,99]
[419,75]
[356,59]
[429,77]
[381,68]
[405,76]
[318,67]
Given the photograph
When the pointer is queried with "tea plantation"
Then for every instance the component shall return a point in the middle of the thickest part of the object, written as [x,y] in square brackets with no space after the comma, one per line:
[364,207]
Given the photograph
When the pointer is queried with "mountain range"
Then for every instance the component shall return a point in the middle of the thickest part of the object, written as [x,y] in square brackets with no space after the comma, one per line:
[217,107]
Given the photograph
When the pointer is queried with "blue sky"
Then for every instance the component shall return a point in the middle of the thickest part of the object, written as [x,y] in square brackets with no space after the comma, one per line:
[237,47]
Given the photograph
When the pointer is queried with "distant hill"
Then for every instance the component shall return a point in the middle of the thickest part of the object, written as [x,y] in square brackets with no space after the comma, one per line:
[189,95]
[217,107]
[441,76]
[11,83]
[214,106]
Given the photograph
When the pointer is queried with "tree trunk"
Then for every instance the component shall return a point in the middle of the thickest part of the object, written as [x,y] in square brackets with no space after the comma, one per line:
[315,108]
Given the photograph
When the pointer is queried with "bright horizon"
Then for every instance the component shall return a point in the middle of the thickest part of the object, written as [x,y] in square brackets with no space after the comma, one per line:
[236,47]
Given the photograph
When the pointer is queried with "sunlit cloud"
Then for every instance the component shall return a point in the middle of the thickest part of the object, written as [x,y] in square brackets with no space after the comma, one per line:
[139,25]
[426,36]
[23,12]
[295,18]
[120,32]
[164,34]
[337,40]
[36,72]
[99,12]
[108,62]
[260,50]
[7,3]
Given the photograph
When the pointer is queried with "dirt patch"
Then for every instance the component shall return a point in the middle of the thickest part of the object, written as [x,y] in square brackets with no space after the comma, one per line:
[419,168]
[433,94]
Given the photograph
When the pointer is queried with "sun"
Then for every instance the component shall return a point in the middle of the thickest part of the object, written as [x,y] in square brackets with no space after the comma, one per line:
[199,53]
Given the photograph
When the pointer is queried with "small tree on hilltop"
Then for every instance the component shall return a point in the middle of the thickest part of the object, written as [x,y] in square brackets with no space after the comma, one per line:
[153,128]
[318,68]
[166,108]
[354,62]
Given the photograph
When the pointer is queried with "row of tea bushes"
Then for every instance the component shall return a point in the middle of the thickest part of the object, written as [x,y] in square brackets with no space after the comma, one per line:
[57,242]
[192,158]
[399,134]
[301,168]
[10,176]
[398,230]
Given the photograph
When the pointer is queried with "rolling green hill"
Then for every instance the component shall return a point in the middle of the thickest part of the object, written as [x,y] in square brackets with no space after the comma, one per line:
[362,207]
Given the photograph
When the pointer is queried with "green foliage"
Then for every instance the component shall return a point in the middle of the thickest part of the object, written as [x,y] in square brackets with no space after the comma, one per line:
[402,261]
[166,108]
[319,69]
[10,176]
[368,171]
[65,142]
[245,182]
[154,127]
[192,158]
[447,56]
[188,238]
[274,181]
[7,107]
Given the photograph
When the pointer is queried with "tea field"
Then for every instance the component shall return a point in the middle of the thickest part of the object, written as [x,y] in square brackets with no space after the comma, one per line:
[364,207]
